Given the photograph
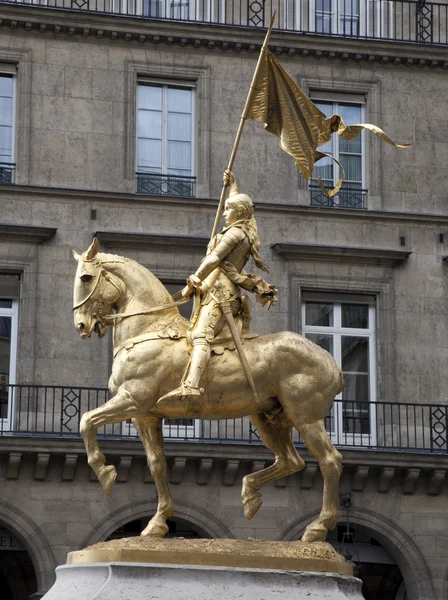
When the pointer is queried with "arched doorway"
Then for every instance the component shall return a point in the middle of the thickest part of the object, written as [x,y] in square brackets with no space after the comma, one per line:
[17,575]
[177,528]
[373,564]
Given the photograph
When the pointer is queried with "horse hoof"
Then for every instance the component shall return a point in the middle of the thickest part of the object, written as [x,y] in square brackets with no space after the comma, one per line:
[251,505]
[152,530]
[316,533]
[107,478]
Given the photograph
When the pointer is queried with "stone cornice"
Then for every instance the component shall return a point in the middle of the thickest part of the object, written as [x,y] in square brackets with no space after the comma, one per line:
[210,204]
[371,256]
[145,241]
[211,37]
[25,233]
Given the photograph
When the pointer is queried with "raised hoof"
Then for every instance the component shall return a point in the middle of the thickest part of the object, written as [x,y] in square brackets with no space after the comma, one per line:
[315,533]
[153,530]
[251,505]
[107,478]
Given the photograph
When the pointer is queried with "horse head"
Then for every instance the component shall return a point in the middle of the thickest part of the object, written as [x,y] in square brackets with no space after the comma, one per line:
[95,292]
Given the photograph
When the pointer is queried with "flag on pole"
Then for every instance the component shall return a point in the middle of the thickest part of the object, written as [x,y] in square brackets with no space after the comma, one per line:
[277,101]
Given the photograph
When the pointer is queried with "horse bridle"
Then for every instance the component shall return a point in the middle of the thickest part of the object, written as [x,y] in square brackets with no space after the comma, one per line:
[114,316]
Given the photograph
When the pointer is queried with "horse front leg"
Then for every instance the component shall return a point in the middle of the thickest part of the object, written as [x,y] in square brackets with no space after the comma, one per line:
[117,409]
[150,432]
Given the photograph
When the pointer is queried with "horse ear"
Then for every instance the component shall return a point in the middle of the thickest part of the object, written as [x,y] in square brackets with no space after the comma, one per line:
[92,251]
[76,256]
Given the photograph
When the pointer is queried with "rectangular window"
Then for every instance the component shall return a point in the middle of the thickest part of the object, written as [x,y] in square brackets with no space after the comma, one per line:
[345,327]
[7,127]
[165,139]
[349,154]
[9,292]
[210,11]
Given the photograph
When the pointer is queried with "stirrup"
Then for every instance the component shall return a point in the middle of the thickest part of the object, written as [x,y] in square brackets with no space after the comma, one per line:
[183,392]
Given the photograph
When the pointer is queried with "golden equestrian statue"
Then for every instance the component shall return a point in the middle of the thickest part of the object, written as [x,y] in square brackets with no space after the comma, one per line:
[295,381]
[164,366]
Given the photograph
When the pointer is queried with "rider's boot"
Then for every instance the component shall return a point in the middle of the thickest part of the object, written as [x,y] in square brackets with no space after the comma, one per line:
[189,387]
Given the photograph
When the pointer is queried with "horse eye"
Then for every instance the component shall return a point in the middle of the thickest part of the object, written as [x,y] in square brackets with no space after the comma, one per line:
[86,278]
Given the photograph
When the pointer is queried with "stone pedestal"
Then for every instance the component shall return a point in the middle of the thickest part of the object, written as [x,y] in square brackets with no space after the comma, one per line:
[139,581]
[176,569]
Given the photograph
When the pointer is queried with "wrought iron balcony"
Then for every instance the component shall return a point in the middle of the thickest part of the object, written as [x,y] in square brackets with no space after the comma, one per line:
[7,172]
[346,198]
[414,21]
[55,411]
[165,185]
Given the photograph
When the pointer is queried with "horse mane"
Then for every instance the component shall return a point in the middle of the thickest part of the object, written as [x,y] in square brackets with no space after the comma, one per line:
[134,274]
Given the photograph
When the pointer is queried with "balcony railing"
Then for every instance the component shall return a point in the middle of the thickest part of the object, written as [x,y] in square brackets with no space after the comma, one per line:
[165,185]
[414,21]
[7,171]
[55,411]
[346,198]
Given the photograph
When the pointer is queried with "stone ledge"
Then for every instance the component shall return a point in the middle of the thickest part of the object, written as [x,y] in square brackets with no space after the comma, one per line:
[145,241]
[211,204]
[222,37]
[369,256]
[25,233]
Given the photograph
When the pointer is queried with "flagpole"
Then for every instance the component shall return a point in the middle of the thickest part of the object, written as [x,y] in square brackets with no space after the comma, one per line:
[250,95]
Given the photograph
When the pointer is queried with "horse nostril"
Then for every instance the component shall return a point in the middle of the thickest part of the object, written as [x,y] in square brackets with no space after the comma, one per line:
[81,327]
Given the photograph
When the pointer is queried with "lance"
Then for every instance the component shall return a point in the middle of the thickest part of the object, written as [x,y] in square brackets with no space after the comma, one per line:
[249,99]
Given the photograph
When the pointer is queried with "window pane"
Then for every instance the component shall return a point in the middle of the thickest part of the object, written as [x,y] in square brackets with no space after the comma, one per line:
[352,166]
[355,316]
[5,346]
[355,354]
[150,96]
[6,111]
[149,124]
[356,388]
[179,100]
[5,143]
[149,153]
[319,314]
[179,155]
[5,86]
[323,340]
[179,126]
[5,303]
[324,170]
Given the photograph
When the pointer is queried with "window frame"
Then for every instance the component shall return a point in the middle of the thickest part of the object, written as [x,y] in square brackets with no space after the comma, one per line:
[6,424]
[12,163]
[338,435]
[165,85]
[336,138]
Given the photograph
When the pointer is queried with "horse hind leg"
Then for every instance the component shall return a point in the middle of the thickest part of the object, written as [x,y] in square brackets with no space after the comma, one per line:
[117,409]
[150,432]
[319,444]
[276,435]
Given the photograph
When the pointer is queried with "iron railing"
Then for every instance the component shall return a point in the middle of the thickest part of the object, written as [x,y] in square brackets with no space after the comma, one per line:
[414,21]
[7,171]
[165,185]
[55,411]
[347,197]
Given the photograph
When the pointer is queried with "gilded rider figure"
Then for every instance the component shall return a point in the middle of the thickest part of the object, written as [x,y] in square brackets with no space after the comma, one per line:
[219,279]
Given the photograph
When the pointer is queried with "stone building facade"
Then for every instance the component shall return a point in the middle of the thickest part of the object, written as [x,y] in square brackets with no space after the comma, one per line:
[366,275]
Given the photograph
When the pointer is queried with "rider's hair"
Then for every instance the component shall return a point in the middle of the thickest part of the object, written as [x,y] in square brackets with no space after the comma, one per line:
[245,206]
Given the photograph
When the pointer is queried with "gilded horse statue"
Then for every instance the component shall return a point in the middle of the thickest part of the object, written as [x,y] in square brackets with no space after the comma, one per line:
[295,380]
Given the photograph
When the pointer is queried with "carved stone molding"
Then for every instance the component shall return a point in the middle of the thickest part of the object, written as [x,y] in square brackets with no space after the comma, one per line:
[359,477]
[370,256]
[205,468]
[40,470]
[124,466]
[436,481]
[387,474]
[148,241]
[13,465]
[178,469]
[230,471]
[308,476]
[25,233]
[68,473]
[410,480]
